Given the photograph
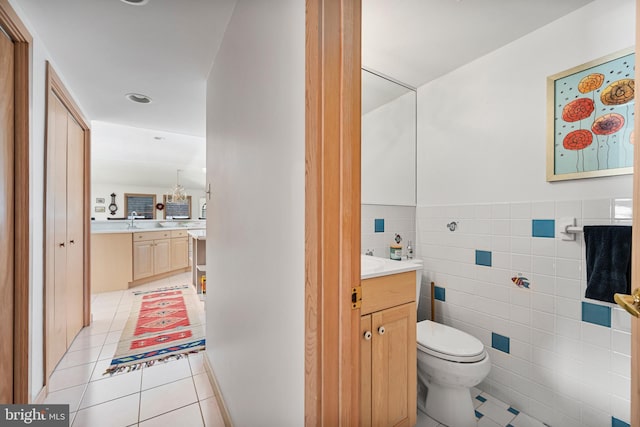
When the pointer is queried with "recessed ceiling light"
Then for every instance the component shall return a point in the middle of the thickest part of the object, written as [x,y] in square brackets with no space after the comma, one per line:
[138,97]
[135,2]
[158,138]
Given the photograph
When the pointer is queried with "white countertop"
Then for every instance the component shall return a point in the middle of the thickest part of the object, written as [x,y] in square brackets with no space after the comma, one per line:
[198,234]
[142,226]
[143,230]
[371,266]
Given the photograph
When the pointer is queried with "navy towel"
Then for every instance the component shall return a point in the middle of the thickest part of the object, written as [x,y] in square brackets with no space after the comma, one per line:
[608,250]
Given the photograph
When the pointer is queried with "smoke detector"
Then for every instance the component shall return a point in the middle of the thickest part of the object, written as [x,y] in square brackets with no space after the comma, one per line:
[138,97]
[135,2]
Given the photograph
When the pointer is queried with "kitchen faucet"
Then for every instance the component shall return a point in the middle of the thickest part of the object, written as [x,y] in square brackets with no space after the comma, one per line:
[133,217]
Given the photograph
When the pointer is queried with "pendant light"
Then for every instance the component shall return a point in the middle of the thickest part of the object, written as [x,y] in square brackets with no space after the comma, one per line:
[178,194]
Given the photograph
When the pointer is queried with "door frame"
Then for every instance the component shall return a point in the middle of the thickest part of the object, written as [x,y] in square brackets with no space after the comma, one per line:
[332,213]
[55,86]
[18,33]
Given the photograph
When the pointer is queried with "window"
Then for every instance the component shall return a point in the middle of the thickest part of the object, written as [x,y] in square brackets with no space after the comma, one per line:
[142,204]
[177,210]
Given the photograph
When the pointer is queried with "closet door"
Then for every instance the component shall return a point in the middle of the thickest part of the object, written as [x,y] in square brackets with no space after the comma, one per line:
[75,228]
[57,310]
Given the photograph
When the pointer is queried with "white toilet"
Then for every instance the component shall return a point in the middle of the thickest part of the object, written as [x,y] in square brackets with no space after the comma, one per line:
[450,362]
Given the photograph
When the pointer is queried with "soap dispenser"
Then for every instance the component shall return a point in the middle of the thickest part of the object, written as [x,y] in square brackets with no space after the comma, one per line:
[395,250]
[409,250]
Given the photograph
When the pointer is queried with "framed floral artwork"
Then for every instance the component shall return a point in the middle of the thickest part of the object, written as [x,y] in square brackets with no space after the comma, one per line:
[591,119]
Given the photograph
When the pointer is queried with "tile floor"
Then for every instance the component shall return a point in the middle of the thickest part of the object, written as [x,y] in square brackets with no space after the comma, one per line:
[490,412]
[166,394]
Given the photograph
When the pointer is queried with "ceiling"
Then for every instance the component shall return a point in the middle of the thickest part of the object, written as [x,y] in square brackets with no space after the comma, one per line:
[105,49]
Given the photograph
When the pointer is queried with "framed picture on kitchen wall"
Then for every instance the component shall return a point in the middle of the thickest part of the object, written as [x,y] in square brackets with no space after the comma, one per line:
[591,119]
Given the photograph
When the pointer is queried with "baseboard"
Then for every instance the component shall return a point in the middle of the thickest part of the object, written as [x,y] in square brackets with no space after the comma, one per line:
[216,391]
[39,400]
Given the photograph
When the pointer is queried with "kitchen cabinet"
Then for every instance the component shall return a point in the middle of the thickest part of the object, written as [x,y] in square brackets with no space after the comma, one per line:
[109,250]
[157,253]
[388,351]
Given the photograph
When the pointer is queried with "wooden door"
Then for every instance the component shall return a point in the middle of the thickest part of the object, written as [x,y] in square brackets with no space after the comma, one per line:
[365,371]
[142,259]
[56,298]
[75,228]
[161,256]
[179,253]
[393,366]
[6,217]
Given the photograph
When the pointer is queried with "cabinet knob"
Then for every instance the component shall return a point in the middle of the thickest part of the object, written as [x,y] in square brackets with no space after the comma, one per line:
[61,244]
[381,330]
[71,242]
[367,335]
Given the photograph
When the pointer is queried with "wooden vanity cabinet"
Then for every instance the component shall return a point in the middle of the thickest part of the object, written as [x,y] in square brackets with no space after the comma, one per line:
[388,351]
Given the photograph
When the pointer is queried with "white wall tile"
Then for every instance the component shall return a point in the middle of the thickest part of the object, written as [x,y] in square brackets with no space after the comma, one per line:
[621,409]
[621,364]
[545,284]
[620,320]
[520,297]
[543,210]
[543,321]
[621,386]
[596,335]
[622,209]
[571,209]
[570,308]
[568,268]
[621,342]
[543,247]
[597,208]
[544,302]
[521,210]
[521,228]
[501,227]
[568,288]
[520,263]
[569,249]
[500,211]
[500,243]
[567,328]
[544,265]
[521,245]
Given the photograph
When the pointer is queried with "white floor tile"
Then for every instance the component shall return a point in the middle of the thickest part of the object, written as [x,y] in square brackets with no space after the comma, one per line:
[163,373]
[111,388]
[423,420]
[497,413]
[524,420]
[203,386]
[108,350]
[113,337]
[70,396]
[185,416]
[197,363]
[211,413]
[101,367]
[80,357]
[87,341]
[168,397]
[488,422]
[115,413]
[70,377]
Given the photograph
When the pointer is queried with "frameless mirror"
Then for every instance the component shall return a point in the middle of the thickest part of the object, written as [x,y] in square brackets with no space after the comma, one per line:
[388,142]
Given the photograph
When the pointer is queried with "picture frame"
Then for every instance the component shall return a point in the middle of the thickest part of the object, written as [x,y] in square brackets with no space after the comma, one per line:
[100,209]
[100,201]
[590,119]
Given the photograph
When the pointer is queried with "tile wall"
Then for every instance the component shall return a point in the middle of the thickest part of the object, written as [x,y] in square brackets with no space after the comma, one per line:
[509,279]
[380,224]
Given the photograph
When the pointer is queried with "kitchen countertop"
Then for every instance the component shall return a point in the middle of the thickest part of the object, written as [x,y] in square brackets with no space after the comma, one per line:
[198,234]
[144,230]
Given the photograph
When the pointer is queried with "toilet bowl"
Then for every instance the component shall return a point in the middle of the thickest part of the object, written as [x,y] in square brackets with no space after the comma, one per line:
[450,362]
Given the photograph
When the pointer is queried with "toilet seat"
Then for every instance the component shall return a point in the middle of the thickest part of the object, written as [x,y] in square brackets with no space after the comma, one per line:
[447,343]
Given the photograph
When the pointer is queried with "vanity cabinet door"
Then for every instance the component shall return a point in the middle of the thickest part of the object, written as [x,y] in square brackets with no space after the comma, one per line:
[161,256]
[393,366]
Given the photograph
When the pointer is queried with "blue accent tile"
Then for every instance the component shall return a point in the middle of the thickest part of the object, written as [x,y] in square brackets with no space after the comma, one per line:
[500,342]
[439,293]
[479,415]
[378,225]
[483,258]
[481,398]
[513,410]
[596,314]
[543,228]
[618,423]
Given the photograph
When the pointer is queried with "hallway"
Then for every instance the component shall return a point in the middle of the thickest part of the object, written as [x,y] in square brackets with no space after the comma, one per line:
[172,393]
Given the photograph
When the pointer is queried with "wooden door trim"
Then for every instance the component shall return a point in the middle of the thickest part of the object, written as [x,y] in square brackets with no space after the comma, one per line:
[635,248]
[332,214]
[17,31]
[54,85]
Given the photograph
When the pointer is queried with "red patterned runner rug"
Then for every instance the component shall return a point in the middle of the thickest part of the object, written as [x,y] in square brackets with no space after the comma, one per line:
[163,324]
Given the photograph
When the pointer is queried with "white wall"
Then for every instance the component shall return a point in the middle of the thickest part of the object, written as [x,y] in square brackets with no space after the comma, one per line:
[481,161]
[482,128]
[255,244]
[397,220]
[39,56]
[104,191]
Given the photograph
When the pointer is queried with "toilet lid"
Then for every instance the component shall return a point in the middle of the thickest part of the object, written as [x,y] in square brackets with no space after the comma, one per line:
[448,343]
